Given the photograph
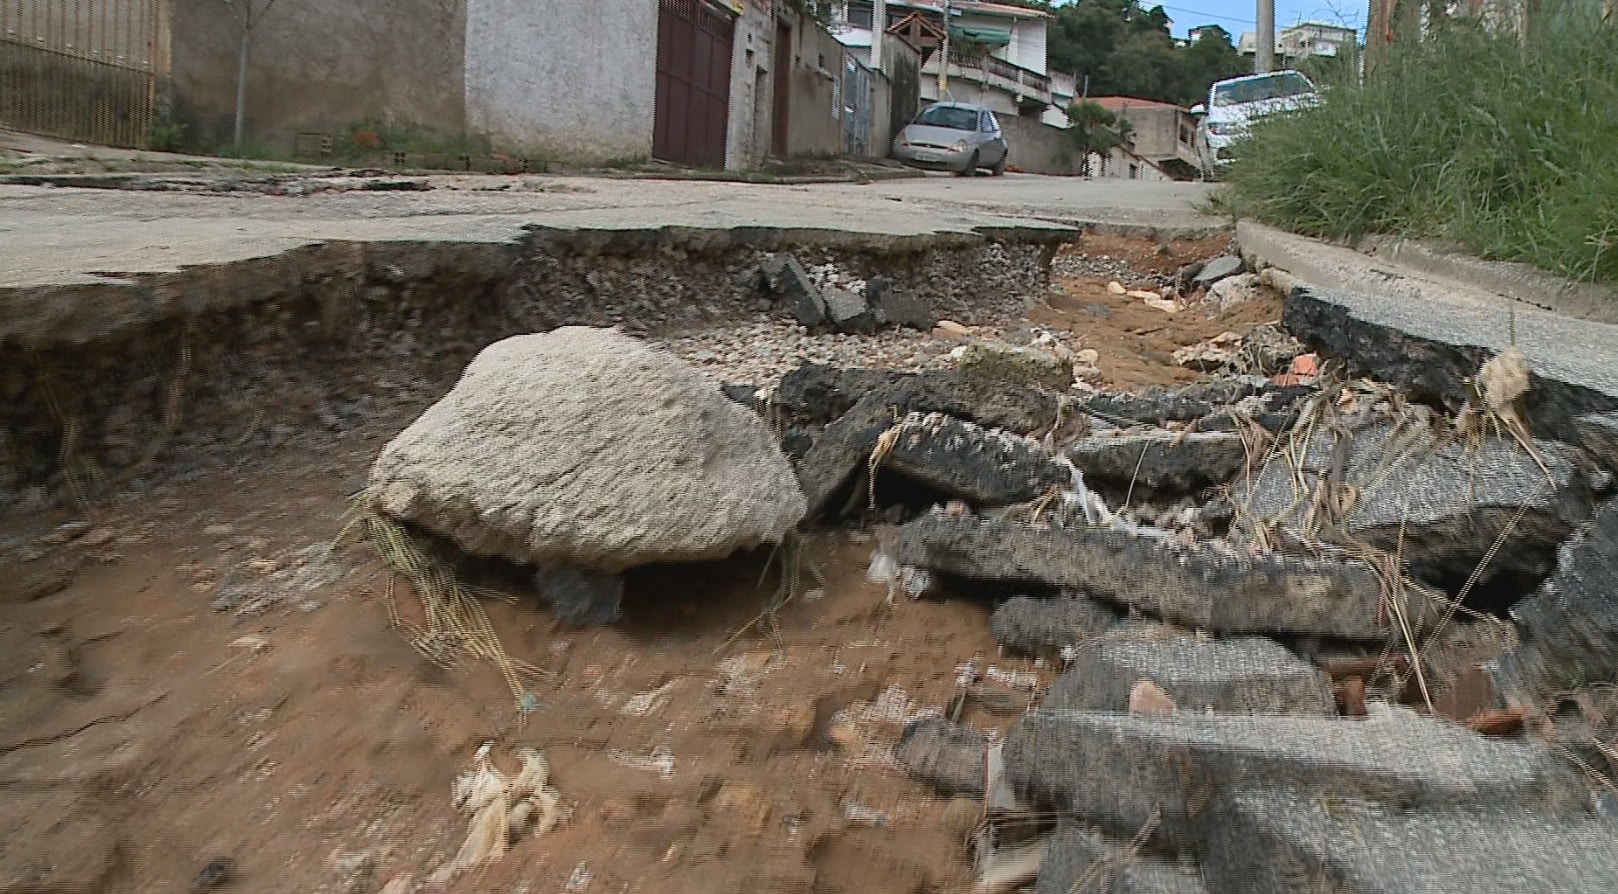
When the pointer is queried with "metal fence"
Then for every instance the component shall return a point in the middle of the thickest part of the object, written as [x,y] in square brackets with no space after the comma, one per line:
[82,70]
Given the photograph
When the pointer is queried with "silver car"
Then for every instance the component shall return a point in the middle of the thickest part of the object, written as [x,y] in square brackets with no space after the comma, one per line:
[953,136]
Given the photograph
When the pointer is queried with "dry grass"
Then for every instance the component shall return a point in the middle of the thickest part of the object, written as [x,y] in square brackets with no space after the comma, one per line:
[455,621]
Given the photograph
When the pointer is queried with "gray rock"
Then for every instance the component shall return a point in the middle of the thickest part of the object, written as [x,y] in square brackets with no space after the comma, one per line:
[1431,351]
[1202,586]
[818,394]
[1599,434]
[1116,769]
[1290,844]
[1217,269]
[1029,626]
[1569,629]
[947,755]
[963,460]
[790,283]
[898,306]
[1248,675]
[579,597]
[1233,291]
[1442,505]
[1107,867]
[1016,364]
[587,447]
[1161,459]
[848,311]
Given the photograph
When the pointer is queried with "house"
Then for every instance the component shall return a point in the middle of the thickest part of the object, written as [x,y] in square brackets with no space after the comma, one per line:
[1307,39]
[1160,133]
[714,83]
[996,52]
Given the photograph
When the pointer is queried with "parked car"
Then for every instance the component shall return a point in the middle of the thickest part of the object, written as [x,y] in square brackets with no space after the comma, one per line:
[1234,104]
[953,136]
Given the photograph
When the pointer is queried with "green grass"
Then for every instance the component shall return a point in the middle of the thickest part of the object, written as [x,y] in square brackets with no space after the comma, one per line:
[1508,148]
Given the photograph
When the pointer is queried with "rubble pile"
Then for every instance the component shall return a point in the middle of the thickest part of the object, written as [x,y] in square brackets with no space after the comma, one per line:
[1252,586]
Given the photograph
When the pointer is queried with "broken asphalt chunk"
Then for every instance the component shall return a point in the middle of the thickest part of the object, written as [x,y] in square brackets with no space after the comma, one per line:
[1442,505]
[1569,629]
[947,755]
[1204,586]
[1030,626]
[1277,843]
[1119,770]
[790,283]
[819,394]
[1076,853]
[1160,459]
[1247,675]
[966,461]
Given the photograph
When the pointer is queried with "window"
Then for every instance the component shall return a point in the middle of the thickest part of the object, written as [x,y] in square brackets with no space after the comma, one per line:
[1259,89]
[952,117]
[859,16]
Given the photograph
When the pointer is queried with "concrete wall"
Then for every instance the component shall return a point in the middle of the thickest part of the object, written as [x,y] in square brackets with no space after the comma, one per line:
[575,79]
[1038,148]
[321,66]
[814,116]
[1155,131]
[747,140]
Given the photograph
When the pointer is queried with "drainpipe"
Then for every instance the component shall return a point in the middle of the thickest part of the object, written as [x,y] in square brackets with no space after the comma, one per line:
[879,27]
[241,81]
[943,64]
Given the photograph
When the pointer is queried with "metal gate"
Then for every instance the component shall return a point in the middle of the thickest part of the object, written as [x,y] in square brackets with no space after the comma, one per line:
[856,108]
[81,69]
[693,83]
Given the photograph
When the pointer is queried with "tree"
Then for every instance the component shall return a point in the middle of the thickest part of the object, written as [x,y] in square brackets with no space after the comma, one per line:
[246,19]
[1211,58]
[1095,129]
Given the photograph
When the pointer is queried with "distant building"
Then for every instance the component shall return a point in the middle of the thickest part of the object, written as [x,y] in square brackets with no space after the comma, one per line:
[997,52]
[1305,40]
[1159,132]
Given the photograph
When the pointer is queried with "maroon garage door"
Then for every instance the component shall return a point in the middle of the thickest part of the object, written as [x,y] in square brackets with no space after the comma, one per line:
[693,83]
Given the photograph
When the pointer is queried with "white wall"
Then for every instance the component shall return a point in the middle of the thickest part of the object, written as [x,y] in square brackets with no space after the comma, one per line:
[575,79]
[1029,38]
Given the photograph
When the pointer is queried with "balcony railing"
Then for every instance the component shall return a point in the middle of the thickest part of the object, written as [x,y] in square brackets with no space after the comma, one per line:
[994,71]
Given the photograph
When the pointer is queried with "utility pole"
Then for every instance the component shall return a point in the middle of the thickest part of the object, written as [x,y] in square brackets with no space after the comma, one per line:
[1376,35]
[943,64]
[1264,58]
[879,28]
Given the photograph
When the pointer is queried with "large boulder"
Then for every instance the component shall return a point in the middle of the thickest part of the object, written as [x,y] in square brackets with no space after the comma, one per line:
[587,447]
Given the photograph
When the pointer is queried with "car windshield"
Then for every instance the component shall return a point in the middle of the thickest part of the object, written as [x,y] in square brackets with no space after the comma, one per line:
[952,117]
[1248,90]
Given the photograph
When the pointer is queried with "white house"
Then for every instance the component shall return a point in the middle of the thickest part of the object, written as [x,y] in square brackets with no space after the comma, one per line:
[1307,39]
[997,52]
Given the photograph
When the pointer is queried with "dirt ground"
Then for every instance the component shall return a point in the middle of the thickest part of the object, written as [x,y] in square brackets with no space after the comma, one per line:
[191,678]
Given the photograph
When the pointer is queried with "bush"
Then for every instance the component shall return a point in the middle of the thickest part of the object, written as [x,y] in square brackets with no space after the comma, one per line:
[1506,147]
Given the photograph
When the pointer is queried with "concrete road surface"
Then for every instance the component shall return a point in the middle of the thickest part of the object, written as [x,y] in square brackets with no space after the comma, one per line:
[58,236]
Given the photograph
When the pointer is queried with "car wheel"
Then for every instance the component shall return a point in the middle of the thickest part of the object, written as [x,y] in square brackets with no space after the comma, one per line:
[971,169]
[999,167]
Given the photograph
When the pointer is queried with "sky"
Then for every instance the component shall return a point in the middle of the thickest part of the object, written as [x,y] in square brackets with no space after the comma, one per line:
[1236,16]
